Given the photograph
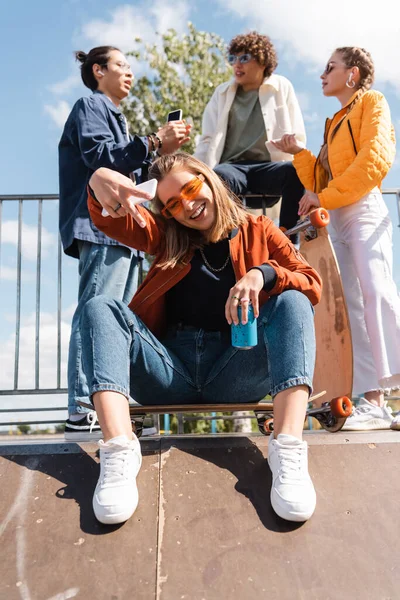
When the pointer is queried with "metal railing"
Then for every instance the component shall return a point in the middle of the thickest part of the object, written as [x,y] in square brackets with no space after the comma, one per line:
[16,389]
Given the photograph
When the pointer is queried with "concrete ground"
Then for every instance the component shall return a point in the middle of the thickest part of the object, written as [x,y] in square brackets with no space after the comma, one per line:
[204,529]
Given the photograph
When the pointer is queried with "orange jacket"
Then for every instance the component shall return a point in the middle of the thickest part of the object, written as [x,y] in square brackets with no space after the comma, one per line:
[257,242]
[360,152]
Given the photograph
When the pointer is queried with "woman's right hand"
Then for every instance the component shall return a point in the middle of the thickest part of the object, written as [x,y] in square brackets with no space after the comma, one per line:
[173,135]
[288,144]
[115,191]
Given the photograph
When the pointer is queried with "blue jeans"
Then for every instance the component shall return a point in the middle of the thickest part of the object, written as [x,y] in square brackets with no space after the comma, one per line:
[192,366]
[108,270]
[278,178]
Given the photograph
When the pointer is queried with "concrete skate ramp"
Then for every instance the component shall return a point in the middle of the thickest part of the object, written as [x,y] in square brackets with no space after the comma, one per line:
[204,528]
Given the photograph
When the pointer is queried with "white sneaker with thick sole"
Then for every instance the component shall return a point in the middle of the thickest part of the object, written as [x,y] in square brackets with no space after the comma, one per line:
[292,494]
[367,416]
[395,424]
[116,495]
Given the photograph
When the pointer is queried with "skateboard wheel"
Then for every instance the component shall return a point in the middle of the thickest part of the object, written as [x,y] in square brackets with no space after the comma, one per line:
[268,426]
[341,407]
[282,228]
[319,217]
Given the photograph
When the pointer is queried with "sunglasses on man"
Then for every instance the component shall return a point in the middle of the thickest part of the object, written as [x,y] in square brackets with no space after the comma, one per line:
[242,59]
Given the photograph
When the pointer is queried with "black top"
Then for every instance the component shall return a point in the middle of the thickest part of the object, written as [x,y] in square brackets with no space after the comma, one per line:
[199,299]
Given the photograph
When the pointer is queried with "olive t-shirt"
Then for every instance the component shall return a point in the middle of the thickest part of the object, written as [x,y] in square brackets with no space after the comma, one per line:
[246,135]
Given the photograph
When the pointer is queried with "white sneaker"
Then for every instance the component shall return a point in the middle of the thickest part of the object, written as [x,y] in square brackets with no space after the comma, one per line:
[292,494]
[395,424]
[116,495]
[368,416]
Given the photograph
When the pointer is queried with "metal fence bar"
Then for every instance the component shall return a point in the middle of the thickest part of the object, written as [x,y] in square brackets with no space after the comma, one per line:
[24,410]
[18,303]
[33,392]
[1,222]
[38,284]
[395,192]
[59,305]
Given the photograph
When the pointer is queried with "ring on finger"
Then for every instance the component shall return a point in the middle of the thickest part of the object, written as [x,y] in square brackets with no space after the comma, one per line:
[236,298]
[116,209]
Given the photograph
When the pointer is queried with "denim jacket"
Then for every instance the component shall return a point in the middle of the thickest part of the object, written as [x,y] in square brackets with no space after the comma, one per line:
[95,135]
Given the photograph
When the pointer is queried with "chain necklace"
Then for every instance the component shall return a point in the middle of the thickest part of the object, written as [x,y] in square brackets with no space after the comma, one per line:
[212,268]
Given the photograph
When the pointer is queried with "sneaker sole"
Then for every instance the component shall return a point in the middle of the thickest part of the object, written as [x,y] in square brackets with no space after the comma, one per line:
[115,519]
[369,426]
[81,436]
[298,517]
[395,427]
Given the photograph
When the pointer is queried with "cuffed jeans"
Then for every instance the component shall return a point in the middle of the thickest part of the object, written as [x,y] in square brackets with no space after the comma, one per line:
[108,270]
[361,234]
[278,178]
[120,354]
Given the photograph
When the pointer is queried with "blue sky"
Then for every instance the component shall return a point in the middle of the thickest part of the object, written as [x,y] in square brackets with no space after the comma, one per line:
[40,83]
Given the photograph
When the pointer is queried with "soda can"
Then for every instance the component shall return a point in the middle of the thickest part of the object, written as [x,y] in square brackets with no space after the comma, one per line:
[244,337]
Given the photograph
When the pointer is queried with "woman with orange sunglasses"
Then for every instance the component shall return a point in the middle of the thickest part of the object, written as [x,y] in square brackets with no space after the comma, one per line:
[172,344]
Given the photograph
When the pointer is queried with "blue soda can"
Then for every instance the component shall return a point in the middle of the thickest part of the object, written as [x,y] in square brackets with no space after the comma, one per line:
[244,337]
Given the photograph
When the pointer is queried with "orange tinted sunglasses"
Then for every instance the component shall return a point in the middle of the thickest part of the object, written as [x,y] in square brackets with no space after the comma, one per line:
[188,192]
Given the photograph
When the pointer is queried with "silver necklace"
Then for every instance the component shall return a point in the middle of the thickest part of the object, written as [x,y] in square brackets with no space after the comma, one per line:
[208,264]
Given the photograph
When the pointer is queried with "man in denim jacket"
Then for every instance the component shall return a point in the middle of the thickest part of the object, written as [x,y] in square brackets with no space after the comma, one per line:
[96,135]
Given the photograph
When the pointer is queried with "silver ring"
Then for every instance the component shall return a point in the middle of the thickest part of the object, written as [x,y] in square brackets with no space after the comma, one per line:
[116,209]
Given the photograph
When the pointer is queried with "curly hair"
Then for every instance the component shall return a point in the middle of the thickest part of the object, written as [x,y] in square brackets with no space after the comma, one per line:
[359,57]
[259,46]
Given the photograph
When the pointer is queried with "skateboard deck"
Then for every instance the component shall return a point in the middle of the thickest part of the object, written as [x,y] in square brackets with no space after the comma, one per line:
[329,414]
[334,357]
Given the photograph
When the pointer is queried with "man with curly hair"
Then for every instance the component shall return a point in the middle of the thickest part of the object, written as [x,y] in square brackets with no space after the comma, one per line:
[243,116]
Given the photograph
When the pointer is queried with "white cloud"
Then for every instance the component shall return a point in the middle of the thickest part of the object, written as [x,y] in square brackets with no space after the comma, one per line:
[66,85]
[129,22]
[47,353]
[304,100]
[10,274]
[310,31]
[28,239]
[311,118]
[58,112]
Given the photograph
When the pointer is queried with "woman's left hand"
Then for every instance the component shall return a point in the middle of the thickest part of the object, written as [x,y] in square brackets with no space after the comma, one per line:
[308,202]
[245,290]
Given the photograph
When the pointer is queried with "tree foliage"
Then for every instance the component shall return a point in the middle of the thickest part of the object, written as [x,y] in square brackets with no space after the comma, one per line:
[183,72]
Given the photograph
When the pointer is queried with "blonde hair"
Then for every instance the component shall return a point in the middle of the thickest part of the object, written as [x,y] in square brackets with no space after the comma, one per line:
[353,56]
[179,239]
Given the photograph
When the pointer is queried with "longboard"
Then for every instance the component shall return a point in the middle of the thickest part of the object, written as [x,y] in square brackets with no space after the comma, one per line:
[334,357]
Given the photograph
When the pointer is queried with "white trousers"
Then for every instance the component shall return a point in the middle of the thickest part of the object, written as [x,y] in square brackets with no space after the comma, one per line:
[362,237]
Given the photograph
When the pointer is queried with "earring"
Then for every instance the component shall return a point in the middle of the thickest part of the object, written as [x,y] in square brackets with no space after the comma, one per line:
[350,81]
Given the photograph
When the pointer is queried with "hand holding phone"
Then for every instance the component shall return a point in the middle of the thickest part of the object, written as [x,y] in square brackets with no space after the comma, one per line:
[147,186]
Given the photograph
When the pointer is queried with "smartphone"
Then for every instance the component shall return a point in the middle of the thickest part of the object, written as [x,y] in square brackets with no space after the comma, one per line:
[175,115]
[149,186]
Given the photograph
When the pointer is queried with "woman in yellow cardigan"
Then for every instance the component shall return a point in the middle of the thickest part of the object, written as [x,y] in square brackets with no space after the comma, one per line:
[357,152]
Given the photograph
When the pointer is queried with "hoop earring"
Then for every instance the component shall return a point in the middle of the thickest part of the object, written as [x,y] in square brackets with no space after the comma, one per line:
[349,81]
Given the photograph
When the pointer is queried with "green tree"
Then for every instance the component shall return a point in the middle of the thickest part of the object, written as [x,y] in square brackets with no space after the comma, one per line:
[24,429]
[183,73]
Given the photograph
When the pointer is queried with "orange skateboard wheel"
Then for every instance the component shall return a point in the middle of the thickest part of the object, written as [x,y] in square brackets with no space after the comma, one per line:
[319,217]
[268,426]
[341,407]
[282,228]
